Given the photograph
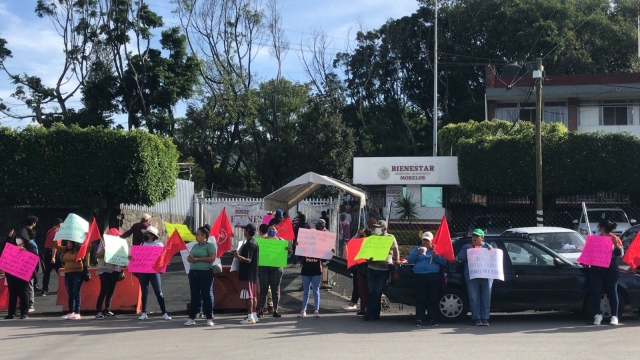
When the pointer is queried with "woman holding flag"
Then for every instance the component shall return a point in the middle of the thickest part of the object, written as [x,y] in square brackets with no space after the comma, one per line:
[201,258]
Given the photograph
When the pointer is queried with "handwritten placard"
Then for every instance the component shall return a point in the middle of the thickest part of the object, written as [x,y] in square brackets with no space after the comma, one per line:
[315,244]
[74,228]
[235,263]
[273,253]
[183,231]
[597,251]
[485,263]
[18,262]
[116,250]
[143,258]
[376,247]
[267,218]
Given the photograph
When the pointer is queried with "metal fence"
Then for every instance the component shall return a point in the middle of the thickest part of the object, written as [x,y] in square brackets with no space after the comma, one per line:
[180,204]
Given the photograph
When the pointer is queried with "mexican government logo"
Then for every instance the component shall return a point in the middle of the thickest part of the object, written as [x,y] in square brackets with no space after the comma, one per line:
[383,173]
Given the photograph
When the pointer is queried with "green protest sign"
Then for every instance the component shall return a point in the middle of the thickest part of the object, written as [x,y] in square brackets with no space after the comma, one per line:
[183,230]
[74,228]
[272,253]
[376,247]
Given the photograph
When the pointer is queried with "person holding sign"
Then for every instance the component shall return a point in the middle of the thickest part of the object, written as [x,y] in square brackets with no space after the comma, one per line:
[426,278]
[201,258]
[606,276]
[73,275]
[18,288]
[378,273]
[271,277]
[479,289]
[248,255]
[109,275]
[151,239]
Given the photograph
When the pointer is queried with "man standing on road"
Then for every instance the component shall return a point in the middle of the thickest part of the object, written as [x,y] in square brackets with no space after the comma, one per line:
[248,273]
[136,230]
[378,273]
[28,233]
[49,256]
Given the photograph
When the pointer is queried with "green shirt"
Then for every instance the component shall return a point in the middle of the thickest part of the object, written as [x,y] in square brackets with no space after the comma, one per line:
[202,251]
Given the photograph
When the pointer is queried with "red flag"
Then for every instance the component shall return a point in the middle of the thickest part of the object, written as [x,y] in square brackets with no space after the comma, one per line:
[285,229]
[632,255]
[223,232]
[172,247]
[351,251]
[442,241]
[92,234]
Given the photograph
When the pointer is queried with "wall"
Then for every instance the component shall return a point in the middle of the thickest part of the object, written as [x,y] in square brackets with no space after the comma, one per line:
[128,217]
[634,129]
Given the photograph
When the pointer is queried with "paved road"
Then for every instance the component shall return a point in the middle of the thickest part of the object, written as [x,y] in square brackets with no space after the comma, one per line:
[335,335]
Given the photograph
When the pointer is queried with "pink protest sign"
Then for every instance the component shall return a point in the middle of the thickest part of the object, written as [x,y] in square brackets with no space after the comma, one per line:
[143,258]
[18,262]
[267,218]
[597,251]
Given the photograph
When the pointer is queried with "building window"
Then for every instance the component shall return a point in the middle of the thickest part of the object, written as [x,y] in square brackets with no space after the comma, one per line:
[552,112]
[431,196]
[615,113]
[607,113]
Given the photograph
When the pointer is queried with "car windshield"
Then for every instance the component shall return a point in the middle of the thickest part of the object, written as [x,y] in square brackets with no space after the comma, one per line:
[568,242]
[614,215]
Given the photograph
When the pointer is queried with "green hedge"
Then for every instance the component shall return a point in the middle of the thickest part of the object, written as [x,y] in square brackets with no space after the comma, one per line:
[93,168]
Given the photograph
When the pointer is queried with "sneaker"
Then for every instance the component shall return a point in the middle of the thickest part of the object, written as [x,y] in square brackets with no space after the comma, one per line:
[31,309]
[260,314]
[200,315]
[248,321]
[109,314]
[189,322]
[478,322]
[74,316]
[99,316]
[350,308]
[143,316]
[276,314]
[597,320]
[166,316]
[360,313]
[24,316]
[418,323]
[9,317]
[302,314]
[265,310]
[434,323]
[316,314]
[485,322]
[209,322]
[44,293]
[66,316]
[614,320]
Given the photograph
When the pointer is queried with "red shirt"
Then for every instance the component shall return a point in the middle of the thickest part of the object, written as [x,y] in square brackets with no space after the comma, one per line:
[51,234]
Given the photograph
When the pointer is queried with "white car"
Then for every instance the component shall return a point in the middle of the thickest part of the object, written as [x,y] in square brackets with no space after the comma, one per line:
[565,242]
[597,214]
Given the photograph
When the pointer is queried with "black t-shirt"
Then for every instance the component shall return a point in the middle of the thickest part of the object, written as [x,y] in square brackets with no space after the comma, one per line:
[249,271]
[311,267]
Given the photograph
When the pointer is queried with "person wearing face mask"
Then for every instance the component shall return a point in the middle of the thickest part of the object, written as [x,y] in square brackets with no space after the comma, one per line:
[73,275]
[151,239]
[479,290]
[270,277]
[18,288]
[378,273]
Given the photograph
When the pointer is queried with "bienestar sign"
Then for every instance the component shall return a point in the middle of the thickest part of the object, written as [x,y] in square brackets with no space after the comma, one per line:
[441,170]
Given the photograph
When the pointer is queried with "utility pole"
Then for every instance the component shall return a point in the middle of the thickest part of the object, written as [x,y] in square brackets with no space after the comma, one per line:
[538,76]
[435,80]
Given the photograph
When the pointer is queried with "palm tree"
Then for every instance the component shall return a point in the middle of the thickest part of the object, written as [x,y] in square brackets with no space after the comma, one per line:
[406,207]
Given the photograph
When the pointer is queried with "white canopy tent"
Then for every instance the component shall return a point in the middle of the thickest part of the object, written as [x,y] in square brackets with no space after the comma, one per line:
[297,190]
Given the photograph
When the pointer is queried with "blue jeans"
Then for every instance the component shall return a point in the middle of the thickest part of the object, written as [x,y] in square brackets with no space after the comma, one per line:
[156,284]
[479,298]
[200,284]
[376,280]
[315,281]
[73,283]
[609,278]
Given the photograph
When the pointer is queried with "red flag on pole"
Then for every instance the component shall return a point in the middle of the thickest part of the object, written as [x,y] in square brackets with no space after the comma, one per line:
[351,251]
[92,234]
[172,247]
[632,255]
[223,232]
[285,229]
[442,241]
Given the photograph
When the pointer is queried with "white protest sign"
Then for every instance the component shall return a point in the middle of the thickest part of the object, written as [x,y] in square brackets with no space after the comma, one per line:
[315,244]
[74,228]
[116,250]
[235,264]
[485,264]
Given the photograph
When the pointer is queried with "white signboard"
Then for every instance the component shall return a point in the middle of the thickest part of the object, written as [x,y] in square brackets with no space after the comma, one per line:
[116,250]
[315,244]
[241,216]
[485,264]
[440,170]
[235,264]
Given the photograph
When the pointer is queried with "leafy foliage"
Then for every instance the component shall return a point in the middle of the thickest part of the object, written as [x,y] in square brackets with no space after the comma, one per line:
[406,208]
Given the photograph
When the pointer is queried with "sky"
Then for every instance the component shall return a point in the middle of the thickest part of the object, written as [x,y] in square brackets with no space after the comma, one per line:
[37,48]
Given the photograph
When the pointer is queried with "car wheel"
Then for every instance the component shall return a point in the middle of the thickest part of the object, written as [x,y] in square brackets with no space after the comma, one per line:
[606,308]
[453,305]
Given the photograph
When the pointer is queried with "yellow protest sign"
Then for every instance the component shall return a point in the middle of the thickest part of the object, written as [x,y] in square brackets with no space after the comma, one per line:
[376,247]
[183,230]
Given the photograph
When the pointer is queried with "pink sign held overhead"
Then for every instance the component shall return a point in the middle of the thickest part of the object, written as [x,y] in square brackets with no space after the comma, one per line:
[18,262]
[267,218]
[597,251]
[143,258]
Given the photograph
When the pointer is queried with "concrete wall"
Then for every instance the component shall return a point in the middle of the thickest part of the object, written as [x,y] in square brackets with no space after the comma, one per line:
[129,217]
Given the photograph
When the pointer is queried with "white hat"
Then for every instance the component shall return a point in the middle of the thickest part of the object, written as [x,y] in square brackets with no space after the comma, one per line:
[151,229]
[427,235]
[146,216]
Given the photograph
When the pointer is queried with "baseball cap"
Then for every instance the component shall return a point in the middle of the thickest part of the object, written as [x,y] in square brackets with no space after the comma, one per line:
[250,228]
[114,232]
[381,223]
[321,221]
[146,216]
[427,235]
[478,232]
[278,212]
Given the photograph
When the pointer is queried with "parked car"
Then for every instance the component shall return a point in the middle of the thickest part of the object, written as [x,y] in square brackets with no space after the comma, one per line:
[542,280]
[596,214]
[490,224]
[628,236]
[565,242]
